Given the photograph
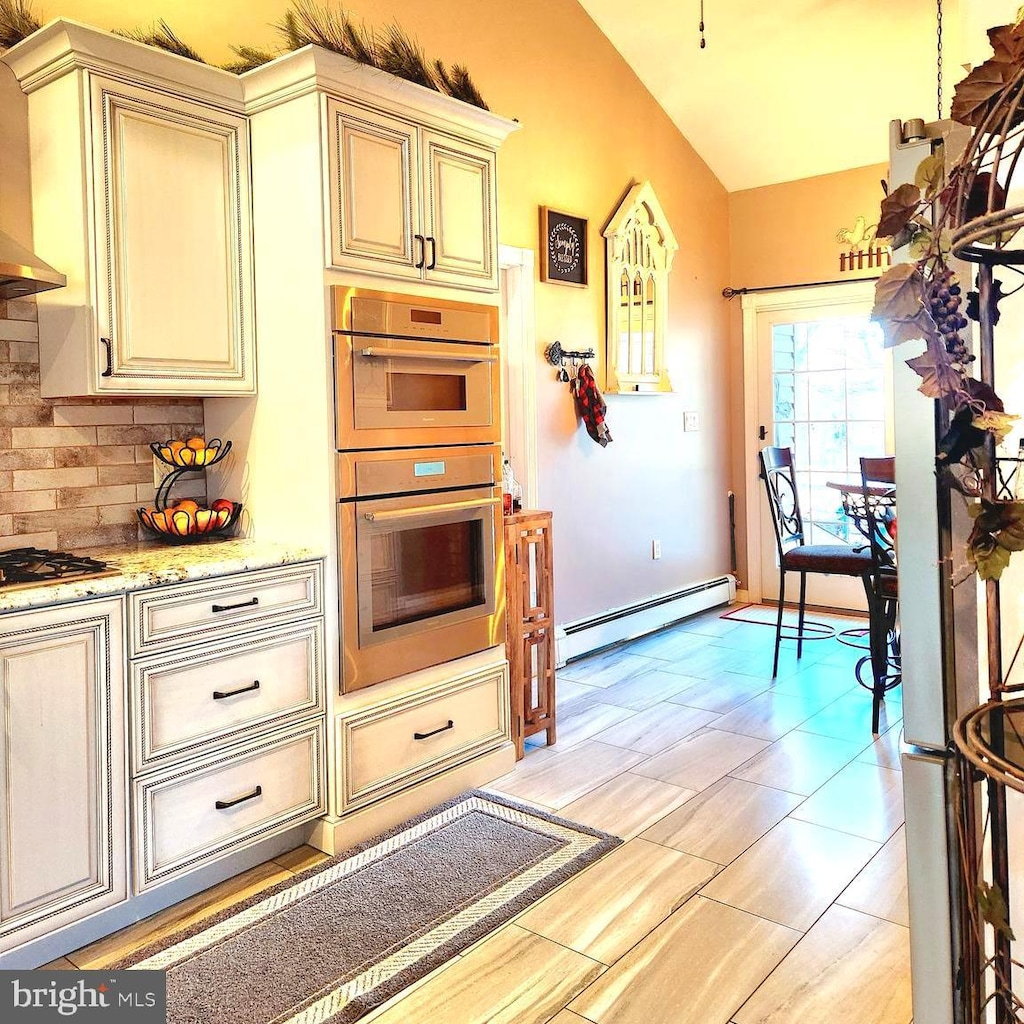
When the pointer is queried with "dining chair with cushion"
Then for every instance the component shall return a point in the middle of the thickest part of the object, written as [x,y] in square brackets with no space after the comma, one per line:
[795,554]
[882,588]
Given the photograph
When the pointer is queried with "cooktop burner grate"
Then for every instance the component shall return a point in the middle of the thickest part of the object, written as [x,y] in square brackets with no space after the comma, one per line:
[25,566]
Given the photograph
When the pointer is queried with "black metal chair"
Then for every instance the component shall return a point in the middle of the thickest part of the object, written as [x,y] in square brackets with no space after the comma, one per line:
[878,479]
[795,554]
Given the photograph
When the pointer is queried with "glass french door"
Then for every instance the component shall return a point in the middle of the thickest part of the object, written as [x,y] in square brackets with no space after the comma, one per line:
[824,390]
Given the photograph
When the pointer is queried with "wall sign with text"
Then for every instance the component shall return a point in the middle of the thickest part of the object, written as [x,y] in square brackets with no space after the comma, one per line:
[563,244]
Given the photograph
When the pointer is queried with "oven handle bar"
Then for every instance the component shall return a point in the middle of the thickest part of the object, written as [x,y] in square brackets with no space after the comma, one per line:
[419,510]
[415,353]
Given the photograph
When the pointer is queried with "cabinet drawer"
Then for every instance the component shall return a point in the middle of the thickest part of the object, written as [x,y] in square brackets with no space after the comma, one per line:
[392,746]
[184,817]
[225,690]
[186,613]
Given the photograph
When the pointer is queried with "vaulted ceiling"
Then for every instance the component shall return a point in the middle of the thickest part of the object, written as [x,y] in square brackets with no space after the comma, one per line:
[787,89]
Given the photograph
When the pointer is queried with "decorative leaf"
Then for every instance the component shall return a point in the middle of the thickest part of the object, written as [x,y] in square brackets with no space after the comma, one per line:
[938,378]
[980,201]
[913,329]
[899,293]
[961,436]
[989,558]
[921,243]
[977,94]
[930,174]
[1007,43]
[998,424]
[982,396]
[998,531]
[897,209]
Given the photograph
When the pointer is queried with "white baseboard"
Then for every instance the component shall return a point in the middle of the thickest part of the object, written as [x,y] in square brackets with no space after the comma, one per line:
[574,639]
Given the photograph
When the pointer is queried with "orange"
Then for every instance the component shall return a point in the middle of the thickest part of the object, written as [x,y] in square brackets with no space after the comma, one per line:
[197,443]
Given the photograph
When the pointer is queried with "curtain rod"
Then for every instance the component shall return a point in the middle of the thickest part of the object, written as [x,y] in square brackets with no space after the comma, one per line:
[728,293]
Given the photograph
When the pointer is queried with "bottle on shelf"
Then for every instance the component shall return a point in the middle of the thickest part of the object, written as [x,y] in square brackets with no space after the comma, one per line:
[507,485]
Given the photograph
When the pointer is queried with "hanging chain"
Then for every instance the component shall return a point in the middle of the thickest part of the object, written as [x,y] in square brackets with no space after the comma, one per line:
[702,41]
[938,62]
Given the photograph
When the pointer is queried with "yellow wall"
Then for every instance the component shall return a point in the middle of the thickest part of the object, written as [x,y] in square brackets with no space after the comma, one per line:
[786,235]
[589,130]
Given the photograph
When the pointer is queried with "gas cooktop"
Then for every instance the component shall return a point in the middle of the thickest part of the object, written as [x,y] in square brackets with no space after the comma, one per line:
[26,567]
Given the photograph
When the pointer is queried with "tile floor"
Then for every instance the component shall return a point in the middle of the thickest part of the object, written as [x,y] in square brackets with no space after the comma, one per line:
[762,880]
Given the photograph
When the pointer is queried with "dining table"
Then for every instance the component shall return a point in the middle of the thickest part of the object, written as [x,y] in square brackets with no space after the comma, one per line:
[872,507]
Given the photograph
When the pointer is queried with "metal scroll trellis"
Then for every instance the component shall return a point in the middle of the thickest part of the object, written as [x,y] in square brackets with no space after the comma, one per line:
[989,751]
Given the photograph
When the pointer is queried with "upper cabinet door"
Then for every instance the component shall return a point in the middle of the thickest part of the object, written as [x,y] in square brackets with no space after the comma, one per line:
[459,200]
[173,244]
[374,192]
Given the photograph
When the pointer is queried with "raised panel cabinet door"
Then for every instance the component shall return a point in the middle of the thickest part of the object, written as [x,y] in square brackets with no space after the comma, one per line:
[373,176]
[173,245]
[62,767]
[460,200]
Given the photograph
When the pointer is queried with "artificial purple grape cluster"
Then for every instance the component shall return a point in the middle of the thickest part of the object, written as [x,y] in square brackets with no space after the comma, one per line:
[944,305]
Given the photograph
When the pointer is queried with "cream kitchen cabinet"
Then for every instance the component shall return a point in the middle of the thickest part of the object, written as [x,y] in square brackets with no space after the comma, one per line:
[227,681]
[140,184]
[62,767]
[409,202]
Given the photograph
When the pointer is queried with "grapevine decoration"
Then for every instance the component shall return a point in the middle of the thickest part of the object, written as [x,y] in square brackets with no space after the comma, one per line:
[960,209]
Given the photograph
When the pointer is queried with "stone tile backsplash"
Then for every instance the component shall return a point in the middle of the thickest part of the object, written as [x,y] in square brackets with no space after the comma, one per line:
[74,470]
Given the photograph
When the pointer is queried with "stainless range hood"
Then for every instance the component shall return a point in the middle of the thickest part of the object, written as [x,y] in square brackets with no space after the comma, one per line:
[24,273]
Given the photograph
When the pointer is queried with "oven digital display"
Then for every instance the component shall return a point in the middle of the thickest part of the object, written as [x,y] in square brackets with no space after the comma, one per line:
[425,316]
[428,469]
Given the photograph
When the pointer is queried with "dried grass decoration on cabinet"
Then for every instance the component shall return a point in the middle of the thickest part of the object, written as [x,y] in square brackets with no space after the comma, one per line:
[590,404]
[187,521]
[325,24]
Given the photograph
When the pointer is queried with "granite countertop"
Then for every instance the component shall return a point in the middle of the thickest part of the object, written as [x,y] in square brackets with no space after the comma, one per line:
[152,564]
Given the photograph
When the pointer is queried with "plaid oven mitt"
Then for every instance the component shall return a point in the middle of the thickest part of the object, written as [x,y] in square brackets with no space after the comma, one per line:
[590,405]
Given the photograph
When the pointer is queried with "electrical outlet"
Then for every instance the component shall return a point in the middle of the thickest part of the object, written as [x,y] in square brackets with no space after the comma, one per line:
[655,549]
[691,421]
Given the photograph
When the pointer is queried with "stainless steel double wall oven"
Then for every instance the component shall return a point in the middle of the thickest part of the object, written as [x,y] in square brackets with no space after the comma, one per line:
[419,471]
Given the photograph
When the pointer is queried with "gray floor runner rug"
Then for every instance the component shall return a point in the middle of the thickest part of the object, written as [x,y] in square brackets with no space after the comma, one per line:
[333,943]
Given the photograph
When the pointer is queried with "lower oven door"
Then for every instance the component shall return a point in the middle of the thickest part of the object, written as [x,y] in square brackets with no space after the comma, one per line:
[420,581]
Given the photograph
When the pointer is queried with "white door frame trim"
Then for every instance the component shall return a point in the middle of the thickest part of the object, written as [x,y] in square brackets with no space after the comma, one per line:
[754,303]
[519,352]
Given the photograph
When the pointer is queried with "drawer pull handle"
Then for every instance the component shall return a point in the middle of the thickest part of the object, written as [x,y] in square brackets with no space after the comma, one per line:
[426,735]
[231,607]
[221,694]
[223,805]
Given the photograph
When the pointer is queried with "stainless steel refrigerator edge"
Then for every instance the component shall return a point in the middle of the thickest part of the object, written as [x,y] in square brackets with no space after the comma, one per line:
[939,647]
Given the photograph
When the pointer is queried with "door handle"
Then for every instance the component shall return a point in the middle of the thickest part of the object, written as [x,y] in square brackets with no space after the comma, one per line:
[423,251]
[762,433]
[222,694]
[433,253]
[415,353]
[232,607]
[427,735]
[223,805]
[419,510]
[109,346]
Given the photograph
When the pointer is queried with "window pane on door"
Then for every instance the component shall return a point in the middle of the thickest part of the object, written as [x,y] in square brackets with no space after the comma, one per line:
[828,385]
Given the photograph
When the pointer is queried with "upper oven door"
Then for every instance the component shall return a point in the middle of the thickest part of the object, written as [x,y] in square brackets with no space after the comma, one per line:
[398,384]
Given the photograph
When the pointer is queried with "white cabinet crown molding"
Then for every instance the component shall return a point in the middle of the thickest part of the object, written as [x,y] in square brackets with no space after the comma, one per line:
[63,45]
[313,68]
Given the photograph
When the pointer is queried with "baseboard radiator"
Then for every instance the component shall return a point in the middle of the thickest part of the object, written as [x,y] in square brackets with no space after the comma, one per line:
[585,636]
